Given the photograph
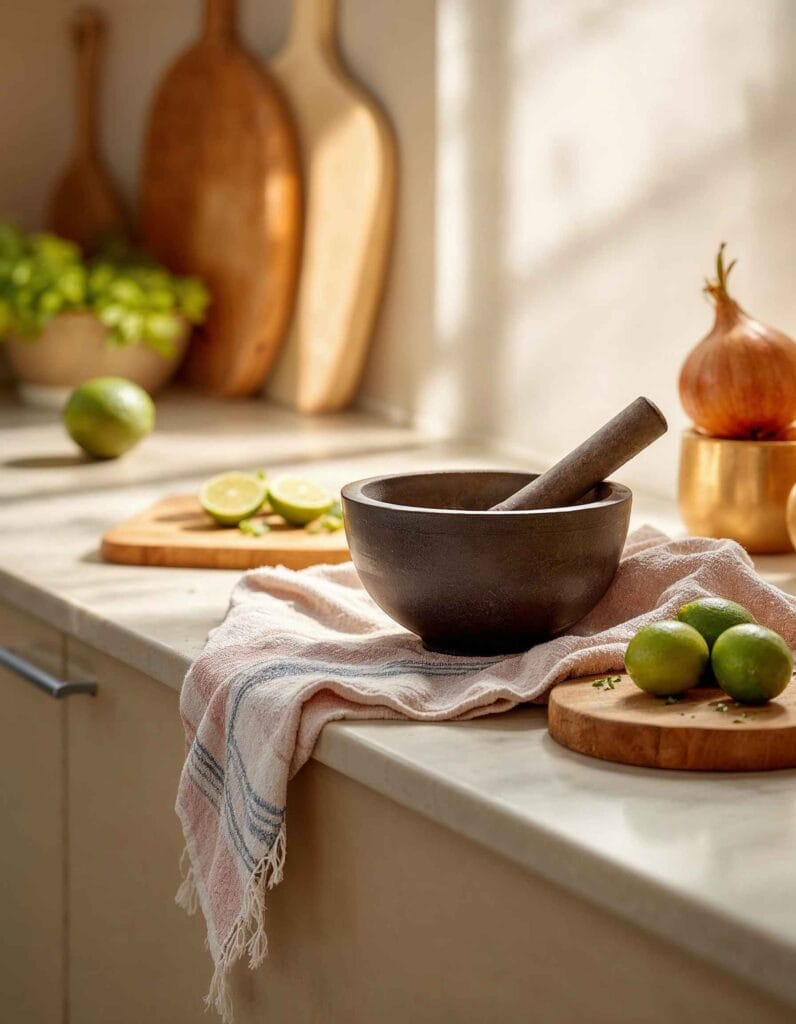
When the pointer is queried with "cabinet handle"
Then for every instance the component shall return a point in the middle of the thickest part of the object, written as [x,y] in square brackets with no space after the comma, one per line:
[43,680]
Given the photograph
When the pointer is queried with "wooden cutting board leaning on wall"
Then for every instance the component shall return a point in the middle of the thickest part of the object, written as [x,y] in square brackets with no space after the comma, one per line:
[86,204]
[348,155]
[221,199]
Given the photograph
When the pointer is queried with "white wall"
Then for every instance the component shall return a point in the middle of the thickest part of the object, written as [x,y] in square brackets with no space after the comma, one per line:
[567,170]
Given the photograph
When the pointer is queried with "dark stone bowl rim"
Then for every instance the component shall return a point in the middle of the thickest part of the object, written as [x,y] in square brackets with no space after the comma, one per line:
[354,491]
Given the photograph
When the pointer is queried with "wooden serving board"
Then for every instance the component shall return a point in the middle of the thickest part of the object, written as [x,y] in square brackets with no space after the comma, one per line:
[348,157]
[630,727]
[221,199]
[176,532]
[86,204]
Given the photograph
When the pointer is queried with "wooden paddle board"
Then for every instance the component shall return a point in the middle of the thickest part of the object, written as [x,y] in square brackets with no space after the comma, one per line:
[221,199]
[348,157]
[176,532]
[86,203]
[705,730]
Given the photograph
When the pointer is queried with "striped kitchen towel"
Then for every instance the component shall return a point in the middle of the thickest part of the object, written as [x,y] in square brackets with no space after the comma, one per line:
[300,649]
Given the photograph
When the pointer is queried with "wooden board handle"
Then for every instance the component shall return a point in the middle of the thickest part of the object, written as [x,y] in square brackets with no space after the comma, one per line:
[313,27]
[220,20]
[88,30]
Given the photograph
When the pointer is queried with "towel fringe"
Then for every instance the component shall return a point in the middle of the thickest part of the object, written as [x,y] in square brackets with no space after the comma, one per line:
[248,935]
[186,896]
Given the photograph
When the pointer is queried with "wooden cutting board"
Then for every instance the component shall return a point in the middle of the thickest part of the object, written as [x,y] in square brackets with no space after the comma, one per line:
[348,156]
[630,727]
[176,532]
[221,198]
[86,203]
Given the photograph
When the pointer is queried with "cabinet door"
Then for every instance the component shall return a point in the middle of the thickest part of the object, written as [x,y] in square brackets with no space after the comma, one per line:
[134,955]
[32,933]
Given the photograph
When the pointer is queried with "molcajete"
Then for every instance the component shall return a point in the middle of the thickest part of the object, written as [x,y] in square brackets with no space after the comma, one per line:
[472,581]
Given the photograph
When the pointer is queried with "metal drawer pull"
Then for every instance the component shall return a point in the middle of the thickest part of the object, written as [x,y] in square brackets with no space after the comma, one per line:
[43,680]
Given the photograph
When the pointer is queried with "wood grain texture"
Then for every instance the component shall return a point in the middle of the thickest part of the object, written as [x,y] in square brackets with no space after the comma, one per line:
[221,198]
[86,203]
[177,532]
[630,727]
[348,156]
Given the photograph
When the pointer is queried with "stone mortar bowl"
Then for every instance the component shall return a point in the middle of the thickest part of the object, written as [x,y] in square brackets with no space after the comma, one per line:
[470,581]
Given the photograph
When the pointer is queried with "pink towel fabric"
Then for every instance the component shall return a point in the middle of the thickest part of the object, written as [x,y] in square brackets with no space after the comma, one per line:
[300,649]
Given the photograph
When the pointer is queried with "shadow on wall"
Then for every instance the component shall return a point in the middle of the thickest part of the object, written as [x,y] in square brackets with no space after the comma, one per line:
[590,158]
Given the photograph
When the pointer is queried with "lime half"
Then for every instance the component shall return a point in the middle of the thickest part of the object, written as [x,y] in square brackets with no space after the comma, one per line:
[231,497]
[299,501]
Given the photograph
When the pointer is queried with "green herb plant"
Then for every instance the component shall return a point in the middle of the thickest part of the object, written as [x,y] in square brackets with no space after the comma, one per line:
[138,301]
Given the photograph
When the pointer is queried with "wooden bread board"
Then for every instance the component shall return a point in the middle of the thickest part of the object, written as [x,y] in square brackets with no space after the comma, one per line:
[221,199]
[349,162]
[176,532]
[630,727]
[86,204]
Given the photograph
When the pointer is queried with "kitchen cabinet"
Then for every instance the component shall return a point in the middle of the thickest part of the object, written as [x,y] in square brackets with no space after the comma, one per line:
[32,818]
[134,954]
[384,915]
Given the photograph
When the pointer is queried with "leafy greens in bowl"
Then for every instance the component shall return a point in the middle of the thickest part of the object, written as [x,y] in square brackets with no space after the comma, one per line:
[140,302]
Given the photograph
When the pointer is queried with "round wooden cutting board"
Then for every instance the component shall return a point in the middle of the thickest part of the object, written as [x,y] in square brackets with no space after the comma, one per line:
[630,727]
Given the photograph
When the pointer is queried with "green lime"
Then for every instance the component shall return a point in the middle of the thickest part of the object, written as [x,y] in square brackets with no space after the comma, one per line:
[666,658]
[107,416]
[711,616]
[299,501]
[232,497]
[751,663]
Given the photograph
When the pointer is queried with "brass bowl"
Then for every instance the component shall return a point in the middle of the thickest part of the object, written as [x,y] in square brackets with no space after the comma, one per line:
[790,516]
[737,489]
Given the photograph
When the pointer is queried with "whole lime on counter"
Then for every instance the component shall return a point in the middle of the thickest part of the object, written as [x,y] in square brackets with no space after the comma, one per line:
[107,416]
[229,498]
[712,616]
[666,658]
[752,664]
[299,501]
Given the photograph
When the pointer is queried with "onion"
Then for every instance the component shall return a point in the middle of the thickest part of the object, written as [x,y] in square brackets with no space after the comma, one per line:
[740,380]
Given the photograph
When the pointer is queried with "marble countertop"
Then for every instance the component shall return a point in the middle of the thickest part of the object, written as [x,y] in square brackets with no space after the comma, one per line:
[705,861]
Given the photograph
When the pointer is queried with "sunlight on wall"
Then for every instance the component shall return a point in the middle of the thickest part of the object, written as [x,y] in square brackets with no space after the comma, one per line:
[589,167]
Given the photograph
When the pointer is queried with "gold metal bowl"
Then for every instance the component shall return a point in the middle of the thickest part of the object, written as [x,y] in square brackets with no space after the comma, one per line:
[790,516]
[737,489]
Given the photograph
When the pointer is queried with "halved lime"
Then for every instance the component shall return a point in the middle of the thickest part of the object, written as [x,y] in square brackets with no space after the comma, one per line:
[299,501]
[231,497]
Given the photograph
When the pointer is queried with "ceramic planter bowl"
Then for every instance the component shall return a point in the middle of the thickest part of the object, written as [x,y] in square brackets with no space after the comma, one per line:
[737,489]
[71,349]
[470,581]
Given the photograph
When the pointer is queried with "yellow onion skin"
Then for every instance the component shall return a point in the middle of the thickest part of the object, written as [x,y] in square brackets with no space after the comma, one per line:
[740,380]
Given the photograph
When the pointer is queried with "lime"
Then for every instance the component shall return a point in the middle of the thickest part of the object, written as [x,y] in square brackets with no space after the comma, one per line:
[299,501]
[711,616]
[751,663]
[106,416]
[231,497]
[666,658]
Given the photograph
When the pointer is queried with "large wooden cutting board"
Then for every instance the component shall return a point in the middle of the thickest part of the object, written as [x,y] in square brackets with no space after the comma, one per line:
[630,727]
[176,532]
[221,198]
[348,156]
[86,204]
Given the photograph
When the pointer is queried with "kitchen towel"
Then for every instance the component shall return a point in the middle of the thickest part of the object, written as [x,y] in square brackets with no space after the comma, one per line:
[300,649]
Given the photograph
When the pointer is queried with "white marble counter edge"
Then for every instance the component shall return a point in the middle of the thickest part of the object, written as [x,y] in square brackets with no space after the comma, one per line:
[700,928]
